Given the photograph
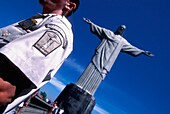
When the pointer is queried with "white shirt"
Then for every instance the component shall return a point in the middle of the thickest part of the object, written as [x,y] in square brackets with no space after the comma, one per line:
[41,50]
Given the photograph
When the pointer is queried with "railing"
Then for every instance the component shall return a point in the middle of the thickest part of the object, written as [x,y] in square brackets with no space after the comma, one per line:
[37,106]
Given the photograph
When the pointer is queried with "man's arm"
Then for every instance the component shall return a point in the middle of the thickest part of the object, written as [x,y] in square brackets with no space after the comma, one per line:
[7,92]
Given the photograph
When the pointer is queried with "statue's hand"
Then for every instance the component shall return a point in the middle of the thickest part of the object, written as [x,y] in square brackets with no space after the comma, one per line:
[87,20]
[148,53]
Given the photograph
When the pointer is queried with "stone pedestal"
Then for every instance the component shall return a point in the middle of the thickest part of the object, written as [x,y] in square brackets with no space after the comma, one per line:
[75,100]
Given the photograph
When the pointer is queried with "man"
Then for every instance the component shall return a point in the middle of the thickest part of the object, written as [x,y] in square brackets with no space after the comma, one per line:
[54,108]
[38,47]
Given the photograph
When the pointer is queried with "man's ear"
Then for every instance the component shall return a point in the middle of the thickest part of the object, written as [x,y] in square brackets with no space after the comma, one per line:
[70,6]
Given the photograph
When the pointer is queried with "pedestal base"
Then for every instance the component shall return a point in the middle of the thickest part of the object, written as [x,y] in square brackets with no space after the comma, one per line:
[75,100]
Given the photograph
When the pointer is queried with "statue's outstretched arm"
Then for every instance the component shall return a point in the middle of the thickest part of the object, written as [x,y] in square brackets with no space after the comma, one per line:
[134,51]
[87,20]
[95,29]
[148,53]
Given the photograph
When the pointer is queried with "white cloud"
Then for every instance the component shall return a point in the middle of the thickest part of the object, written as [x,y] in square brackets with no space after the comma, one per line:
[74,65]
[100,110]
[58,84]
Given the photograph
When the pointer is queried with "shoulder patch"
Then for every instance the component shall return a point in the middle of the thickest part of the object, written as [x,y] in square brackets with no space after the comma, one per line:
[48,42]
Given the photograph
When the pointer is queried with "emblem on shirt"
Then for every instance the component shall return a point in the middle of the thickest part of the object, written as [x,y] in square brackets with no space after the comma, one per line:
[27,24]
[48,42]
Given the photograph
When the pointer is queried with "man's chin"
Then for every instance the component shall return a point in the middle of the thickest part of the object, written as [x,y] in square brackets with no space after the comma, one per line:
[42,1]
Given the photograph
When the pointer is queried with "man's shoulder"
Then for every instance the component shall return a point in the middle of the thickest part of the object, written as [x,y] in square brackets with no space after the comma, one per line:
[61,20]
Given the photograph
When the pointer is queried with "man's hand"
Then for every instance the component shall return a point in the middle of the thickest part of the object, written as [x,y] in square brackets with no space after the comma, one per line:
[87,20]
[148,53]
[7,92]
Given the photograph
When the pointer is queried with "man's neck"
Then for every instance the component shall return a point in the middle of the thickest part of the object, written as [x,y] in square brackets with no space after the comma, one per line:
[58,12]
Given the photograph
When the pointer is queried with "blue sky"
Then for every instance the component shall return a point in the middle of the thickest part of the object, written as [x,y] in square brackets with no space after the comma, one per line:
[135,85]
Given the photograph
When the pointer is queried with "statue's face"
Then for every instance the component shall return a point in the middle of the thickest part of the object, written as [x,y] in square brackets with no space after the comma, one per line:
[122,27]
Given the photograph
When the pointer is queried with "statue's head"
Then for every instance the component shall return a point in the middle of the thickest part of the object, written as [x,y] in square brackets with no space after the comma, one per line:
[122,27]
[120,30]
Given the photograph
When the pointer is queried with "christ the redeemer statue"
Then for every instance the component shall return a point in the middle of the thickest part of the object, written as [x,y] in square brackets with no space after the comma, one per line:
[112,43]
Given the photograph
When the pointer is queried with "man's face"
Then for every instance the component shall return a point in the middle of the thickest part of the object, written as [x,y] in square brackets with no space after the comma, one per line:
[51,5]
[59,3]
[62,7]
